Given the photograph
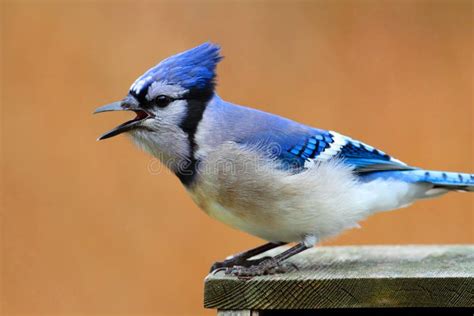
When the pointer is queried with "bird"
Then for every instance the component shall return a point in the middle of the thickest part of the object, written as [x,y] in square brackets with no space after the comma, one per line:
[266,175]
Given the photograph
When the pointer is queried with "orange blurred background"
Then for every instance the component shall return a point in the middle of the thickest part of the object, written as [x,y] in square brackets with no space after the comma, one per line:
[88,229]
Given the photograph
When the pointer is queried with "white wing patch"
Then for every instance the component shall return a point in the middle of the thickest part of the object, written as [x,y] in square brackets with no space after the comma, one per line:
[334,148]
[339,141]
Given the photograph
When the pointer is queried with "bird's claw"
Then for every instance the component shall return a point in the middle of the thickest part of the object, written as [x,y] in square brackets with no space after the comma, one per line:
[218,266]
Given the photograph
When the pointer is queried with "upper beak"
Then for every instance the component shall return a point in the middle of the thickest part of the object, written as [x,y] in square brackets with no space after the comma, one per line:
[115,106]
[122,106]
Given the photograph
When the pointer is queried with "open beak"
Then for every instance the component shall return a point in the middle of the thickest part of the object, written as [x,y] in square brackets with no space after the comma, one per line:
[127,126]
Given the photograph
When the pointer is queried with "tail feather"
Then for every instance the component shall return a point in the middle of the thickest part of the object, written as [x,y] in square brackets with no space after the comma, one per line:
[442,181]
[447,180]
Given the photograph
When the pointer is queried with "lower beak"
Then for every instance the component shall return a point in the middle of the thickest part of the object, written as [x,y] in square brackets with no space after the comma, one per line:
[127,126]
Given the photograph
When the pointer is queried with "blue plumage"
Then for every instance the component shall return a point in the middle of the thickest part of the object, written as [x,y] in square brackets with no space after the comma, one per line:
[261,173]
[192,69]
[298,144]
[312,146]
[304,144]
[439,179]
[291,143]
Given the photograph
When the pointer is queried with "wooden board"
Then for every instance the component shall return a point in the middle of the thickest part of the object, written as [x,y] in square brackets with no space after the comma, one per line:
[351,277]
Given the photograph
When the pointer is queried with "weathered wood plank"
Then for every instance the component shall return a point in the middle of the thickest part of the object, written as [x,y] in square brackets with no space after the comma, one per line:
[237,313]
[348,277]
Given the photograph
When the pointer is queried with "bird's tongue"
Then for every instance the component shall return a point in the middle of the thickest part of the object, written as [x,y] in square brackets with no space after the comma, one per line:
[140,115]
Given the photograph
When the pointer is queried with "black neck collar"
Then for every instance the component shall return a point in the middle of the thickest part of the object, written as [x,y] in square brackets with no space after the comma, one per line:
[197,102]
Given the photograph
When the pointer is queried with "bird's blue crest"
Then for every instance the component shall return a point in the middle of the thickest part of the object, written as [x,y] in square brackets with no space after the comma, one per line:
[191,69]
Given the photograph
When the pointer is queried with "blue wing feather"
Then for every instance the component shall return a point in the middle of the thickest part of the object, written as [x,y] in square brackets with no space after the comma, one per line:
[324,145]
[439,179]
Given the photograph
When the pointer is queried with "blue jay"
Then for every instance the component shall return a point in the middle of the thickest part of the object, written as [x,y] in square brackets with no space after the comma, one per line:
[261,173]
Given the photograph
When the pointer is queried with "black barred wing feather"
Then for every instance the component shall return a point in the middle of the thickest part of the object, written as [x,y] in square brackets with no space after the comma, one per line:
[360,156]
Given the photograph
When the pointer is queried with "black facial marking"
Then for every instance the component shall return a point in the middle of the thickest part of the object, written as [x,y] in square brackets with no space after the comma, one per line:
[141,96]
[197,101]
[160,101]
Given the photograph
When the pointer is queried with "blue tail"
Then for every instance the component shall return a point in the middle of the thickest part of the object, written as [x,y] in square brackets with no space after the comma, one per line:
[440,179]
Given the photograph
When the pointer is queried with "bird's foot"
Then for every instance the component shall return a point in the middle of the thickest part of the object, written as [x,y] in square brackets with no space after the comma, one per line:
[235,261]
[266,266]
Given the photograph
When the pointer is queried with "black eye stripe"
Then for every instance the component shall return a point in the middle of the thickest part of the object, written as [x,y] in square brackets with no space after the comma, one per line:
[160,101]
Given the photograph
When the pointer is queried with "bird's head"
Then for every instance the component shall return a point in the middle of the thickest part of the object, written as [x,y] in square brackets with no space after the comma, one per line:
[170,96]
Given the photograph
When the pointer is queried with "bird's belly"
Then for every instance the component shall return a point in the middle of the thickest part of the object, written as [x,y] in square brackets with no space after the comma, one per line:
[278,210]
[272,227]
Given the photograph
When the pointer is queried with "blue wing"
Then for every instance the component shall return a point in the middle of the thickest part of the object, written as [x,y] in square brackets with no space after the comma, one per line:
[295,149]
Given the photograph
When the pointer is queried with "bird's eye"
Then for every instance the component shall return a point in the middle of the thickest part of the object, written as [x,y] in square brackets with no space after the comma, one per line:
[162,101]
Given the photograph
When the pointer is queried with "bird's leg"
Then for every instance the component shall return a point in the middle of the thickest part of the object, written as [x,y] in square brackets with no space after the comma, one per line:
[240,259]
[270,265]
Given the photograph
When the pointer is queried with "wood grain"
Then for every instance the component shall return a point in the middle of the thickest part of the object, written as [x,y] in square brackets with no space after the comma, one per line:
[349,277]
[237,313]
